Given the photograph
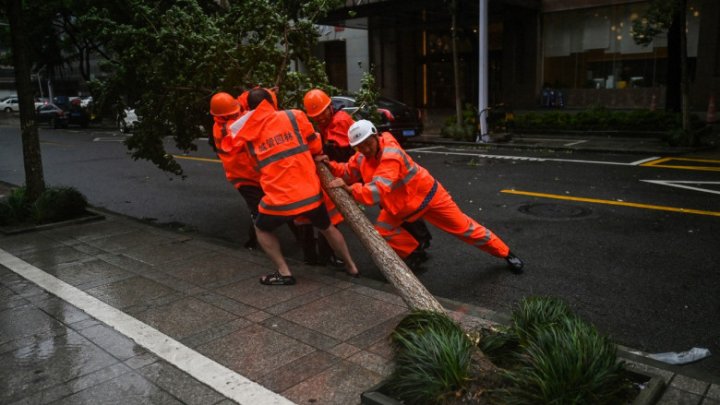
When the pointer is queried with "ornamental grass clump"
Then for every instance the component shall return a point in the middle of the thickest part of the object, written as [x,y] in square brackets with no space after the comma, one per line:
[432,358]
[14,208]
[551,356]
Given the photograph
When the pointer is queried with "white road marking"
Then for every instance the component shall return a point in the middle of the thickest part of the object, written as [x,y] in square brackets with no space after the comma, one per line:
[426,148]
[523,158]
[108,139]
[641,161]
[681,184]
[209,372]
[575,143]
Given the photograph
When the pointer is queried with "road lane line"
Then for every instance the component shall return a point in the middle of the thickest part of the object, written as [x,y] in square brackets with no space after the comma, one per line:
[681,184]
[611,202]
[524,158]
[641,161]
[205,370]
[575,143]
[197,158]
[663,163]
[426,148]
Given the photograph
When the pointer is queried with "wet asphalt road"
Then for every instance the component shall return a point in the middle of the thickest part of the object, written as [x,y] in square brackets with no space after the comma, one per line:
[649,278]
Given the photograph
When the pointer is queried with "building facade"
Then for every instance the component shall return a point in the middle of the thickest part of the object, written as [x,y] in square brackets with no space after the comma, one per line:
[584,48]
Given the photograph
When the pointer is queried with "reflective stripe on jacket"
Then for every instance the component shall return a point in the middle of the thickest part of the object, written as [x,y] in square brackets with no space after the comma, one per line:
[393,180]
[239,168]
[281,145]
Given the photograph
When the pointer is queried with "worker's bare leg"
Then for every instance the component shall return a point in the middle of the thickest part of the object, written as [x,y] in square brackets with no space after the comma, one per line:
[337,243]
[271,245]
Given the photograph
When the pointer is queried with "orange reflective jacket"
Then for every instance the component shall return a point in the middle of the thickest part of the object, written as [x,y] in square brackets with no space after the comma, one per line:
[281,145]
[239,168]
[393,180]
[337,129]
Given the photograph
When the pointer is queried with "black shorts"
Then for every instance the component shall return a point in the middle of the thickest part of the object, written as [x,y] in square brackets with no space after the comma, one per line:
[317,216]
[252,196]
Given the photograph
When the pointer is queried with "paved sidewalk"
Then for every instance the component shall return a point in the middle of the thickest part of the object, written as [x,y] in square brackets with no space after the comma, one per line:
[197,301]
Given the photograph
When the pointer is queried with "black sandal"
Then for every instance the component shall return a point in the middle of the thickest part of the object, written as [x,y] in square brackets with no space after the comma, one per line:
[277,279]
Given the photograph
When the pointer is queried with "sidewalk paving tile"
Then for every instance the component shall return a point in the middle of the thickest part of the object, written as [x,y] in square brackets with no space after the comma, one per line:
[338,385]
[127,389]
[184,317]
[44,363]
[255,350]
[674,396]
[179,384]
[343,315]
[689,384]
[714,392]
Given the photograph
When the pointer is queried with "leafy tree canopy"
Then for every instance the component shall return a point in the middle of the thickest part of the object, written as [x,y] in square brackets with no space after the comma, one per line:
[170,57]
[166,58]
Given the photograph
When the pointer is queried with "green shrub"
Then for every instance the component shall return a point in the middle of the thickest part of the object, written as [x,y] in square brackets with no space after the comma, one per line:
[57,204]
[600,119]
[458,132]
[432,358]
[54,204]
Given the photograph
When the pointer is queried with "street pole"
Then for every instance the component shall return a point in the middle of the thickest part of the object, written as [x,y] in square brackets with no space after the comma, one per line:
[482,71]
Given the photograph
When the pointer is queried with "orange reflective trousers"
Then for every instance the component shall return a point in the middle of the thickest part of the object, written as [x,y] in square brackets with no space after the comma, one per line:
[442,212]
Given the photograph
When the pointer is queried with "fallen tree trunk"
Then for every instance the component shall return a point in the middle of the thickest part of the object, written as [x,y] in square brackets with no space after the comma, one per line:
[415,295]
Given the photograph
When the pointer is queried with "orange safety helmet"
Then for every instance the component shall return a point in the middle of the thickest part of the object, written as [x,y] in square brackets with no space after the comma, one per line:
[316,101]
[222,104]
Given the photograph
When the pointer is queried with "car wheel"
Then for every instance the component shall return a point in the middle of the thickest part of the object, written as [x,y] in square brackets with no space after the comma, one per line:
[54,123]
[8,109]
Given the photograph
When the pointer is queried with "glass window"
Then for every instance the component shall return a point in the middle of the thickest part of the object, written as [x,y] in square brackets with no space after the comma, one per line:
[593,48]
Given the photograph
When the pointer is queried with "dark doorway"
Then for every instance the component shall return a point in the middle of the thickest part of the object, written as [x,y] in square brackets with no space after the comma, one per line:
[335,63]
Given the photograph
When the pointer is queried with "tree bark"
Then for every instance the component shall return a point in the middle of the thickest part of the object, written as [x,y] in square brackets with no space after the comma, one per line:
[34,177]
[415,295]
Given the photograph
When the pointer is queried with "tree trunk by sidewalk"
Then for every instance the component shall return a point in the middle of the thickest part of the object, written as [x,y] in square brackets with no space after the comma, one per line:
[415,295]
[34,177]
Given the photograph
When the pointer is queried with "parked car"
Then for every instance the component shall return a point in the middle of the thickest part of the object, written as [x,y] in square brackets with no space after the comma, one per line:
[10,104]
[77,115]
[397,118]
[53,115]
[40,102]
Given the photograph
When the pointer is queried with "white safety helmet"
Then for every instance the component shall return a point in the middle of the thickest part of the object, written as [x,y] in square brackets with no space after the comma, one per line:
[360,131]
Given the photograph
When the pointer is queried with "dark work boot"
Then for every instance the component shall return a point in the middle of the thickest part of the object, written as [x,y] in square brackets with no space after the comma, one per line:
[415,261]
[514,263]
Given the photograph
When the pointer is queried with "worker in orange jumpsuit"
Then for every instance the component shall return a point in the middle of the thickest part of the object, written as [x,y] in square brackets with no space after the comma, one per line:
[238,167]
[383,173]
[333,127]
[281,145]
